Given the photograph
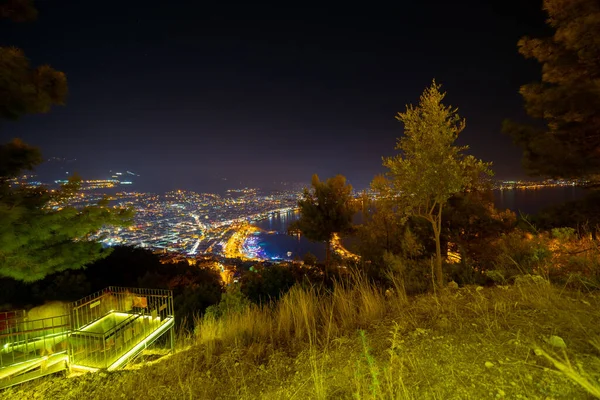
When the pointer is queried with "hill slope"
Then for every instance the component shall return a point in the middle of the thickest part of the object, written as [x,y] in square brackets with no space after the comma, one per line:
[358,343]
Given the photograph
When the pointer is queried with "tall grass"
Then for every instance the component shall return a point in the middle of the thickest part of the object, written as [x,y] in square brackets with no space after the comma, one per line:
[354,341]
[309,320]
[577,375]
[302,315]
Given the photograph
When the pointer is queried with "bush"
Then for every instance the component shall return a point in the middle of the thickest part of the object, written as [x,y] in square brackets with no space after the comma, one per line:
[413,275]
[519,253]
[560,256]
[466,273]
[263,284]
[192,301]
[232,301]
[576,214]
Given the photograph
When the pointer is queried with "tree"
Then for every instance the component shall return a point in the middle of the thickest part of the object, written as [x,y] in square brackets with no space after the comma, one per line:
[24,89]
[431,168]
[325,210]
[18,10]
[40,233]
[27,90]
[472,225]
[567,100]
[383,226]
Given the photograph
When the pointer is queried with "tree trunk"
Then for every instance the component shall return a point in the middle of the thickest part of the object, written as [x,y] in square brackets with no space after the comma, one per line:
[438,259]
[437,230]
[327,257]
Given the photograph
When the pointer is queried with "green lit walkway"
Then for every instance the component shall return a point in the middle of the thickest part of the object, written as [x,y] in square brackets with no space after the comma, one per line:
[105,330]
[111,341]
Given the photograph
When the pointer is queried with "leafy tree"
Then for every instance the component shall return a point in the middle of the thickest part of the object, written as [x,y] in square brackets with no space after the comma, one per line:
[18,10]
[194,289]
[15,158]
[132,267]
[23,88]
[325,210]
[567,100]
[192,301]
[381,230]
[40,233]
[64,286]
[389,241]
[472,226]
[431,168]
[27,90]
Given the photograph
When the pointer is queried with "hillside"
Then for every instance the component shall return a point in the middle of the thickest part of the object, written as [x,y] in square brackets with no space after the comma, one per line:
[357,342]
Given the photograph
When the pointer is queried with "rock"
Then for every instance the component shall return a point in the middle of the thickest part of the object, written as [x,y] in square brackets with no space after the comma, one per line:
[442,323]
[556,341]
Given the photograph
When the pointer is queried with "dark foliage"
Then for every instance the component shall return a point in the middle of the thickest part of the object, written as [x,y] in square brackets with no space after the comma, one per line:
[566,142]
[195,287]
[18,10]
[325,210]
[264,284]
[40,234]
[472,224]
[581,215]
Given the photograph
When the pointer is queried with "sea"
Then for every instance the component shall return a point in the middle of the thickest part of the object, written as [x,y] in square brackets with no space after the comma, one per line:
[276,244]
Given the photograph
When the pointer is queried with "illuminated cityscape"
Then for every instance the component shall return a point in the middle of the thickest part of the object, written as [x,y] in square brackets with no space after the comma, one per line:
[523,184]
[193,223]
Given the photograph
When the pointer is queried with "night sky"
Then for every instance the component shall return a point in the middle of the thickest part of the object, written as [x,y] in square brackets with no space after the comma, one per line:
[190,93]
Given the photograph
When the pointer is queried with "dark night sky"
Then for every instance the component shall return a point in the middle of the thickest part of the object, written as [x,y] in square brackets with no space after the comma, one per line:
[186,93]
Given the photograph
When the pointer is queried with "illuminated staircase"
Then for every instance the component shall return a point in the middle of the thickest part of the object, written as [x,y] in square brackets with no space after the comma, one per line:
[105,330]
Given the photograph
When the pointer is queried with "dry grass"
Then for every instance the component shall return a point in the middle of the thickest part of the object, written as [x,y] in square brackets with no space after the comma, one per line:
[357,343]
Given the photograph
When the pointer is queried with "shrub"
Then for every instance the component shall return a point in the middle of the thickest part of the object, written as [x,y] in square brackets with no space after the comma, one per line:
[519,253]
[561,256]
[263,284]
[413,275]
[232,301]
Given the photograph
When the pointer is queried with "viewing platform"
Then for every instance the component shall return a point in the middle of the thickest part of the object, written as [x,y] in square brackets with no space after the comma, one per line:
[103,331]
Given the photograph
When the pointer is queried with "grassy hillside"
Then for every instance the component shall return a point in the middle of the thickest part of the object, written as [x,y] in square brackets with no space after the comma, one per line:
[527,341]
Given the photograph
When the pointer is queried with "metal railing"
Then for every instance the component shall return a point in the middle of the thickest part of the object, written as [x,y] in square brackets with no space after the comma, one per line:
[22,340]
[9,318]
[109,323]
[99,330]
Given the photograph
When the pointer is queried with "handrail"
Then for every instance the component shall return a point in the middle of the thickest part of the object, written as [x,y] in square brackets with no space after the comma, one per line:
[146,316]
[112,330]
[165,293]
[38,329]
[93,297]
[129,319]
[36,339]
